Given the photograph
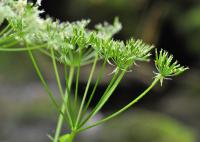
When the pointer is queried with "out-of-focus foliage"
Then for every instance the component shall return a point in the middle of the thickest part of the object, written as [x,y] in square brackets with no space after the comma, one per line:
[127,10]
[190,25]
[143,126]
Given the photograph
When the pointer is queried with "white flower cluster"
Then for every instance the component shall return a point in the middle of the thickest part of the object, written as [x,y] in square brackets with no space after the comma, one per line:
[5,12]
[70,39]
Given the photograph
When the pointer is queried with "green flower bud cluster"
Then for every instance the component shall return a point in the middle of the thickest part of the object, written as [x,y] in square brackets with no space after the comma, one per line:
[166,67]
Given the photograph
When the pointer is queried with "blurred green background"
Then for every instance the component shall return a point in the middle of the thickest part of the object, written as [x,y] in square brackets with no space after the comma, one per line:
[168,114]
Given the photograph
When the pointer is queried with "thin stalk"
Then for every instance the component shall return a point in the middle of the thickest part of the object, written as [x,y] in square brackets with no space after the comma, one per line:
[77,79]
[65,74]
[57,74]
[8,32]
[64,98]
[111,87]
[95,86]
[64,105]
[50,94]
[60,119]
[47,53]
[10,44]
[21,49]
[71,75]
[86,90]
[124,108]
[4,30]
[111,82]
[76,88]
[42,80]
[69,84]
[7,38]
[58,129]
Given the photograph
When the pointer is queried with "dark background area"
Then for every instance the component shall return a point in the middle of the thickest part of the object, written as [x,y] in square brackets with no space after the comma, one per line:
[168,114]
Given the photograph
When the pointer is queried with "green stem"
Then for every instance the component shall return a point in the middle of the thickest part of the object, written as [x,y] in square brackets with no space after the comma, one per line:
[42,80]
[65,75]
[64,105]
[124,108]
[60,119]
[77,78]
[111,82]
[86,90]
[77,81]
[4,30]
[21,49]
[71,75]
[8,32]
[52,98]
[69,85]
[47,53]
[110,89]
[95,86]
[75,104]
[7,38]
[58,128]
[10,44]
[57,74]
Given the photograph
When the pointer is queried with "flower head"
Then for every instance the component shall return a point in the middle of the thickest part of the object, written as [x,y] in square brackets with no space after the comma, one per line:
[166,67]
[39,2]
[122,54]
[5,11]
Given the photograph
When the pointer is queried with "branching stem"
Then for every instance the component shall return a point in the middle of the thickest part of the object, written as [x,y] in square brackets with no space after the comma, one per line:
[95,86]
[156,80]
[64,98]
[86,90]
[111,87]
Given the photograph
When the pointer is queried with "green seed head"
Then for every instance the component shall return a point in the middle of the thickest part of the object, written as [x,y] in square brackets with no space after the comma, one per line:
[166,67]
